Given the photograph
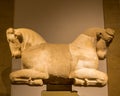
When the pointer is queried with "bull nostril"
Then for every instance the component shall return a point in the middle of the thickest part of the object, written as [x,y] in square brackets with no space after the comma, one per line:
[16,54]
[17,57]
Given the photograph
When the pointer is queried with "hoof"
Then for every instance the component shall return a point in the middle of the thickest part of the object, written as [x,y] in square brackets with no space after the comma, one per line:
[38,82]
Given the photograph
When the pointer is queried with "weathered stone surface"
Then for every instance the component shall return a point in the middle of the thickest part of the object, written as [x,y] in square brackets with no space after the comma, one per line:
[78,60]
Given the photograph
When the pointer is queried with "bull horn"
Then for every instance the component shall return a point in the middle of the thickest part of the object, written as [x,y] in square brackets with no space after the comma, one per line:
[10,31]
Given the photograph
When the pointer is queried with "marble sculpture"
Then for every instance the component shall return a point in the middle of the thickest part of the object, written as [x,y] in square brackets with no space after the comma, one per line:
[78,60]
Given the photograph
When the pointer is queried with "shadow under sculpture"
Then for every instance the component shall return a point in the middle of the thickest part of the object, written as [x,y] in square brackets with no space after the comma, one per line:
[43,62]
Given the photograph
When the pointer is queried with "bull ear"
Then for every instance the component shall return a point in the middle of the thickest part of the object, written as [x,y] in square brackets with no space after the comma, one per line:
[10,31]
[19,36]
[10,34]
[110,31]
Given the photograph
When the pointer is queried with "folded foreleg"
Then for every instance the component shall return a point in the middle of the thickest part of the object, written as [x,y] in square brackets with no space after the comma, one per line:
[89,76]
[28,76]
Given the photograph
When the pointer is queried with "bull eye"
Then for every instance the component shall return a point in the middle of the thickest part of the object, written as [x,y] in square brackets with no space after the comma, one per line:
[10,40]
[100,33]
[15,35]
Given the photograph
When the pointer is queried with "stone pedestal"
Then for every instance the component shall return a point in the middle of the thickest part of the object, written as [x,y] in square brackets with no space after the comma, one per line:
[59,90]
[59,87]
[59,93]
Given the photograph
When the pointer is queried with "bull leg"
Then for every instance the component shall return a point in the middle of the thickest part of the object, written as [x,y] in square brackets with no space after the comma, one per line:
[28,76]
[88,76]
[79,81]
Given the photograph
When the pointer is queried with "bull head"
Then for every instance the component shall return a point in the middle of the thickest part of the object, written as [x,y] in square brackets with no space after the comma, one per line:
[14,39]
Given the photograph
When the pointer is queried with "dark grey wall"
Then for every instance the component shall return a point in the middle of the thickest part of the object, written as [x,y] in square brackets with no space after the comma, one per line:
[58,20]
[112,19]
[6,20]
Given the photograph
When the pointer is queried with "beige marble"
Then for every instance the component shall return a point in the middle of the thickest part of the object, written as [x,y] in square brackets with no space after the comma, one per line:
[77,60]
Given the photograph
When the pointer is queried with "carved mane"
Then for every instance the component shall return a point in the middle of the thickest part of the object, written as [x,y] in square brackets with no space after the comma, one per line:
[30,38]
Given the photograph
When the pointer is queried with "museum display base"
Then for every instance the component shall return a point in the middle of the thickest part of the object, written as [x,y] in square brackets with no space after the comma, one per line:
[59,93]
[59,90]
[59,87]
